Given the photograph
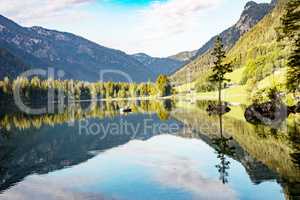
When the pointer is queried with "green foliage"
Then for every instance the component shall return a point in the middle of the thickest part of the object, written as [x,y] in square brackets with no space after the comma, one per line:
[250,69]
[265,94]
[193,70]
[259,53]
[163,85]
[248,136]
[263,65]
[236,75]
[37,89]
[290,30]
[204,85]
[219,69]
[12,119]
[259,41]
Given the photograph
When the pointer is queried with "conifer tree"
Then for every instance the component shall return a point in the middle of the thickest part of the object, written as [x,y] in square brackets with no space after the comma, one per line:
[290,30]
[219,68]
[163,85]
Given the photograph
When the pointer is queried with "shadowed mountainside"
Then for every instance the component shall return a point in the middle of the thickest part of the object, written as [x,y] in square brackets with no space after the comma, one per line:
[79,58]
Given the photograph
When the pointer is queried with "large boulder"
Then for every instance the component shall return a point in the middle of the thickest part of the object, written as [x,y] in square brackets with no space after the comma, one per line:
[269,113]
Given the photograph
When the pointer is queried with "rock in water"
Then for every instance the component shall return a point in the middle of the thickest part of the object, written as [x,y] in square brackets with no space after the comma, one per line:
[217,109]
[269,113]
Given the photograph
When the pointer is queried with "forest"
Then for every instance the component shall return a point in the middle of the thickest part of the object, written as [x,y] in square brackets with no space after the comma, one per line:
[37,89]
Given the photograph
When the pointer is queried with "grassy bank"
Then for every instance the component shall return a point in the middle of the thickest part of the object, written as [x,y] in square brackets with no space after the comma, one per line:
[238,93]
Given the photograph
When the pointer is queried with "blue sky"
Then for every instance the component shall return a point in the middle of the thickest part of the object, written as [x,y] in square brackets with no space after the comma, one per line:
[156,27]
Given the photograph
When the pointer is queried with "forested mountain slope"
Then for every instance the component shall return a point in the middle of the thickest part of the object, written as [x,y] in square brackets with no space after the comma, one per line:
[10,65]
[79,58]
[252,14]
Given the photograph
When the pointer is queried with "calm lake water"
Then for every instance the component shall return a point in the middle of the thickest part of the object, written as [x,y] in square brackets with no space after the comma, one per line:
[160,151]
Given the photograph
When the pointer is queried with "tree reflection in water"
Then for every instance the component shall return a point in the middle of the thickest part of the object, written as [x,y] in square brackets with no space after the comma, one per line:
[223,149]
[14,118]
[294,137]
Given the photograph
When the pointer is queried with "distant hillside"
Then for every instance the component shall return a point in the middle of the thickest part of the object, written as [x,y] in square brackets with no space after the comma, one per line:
[158,65]
[78,57]
[184,56]
[10,65]
[251,15]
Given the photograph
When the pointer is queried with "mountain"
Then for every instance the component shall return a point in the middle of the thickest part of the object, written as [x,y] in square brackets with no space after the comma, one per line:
[184,56]
[251,15]
[261,36]
[259,51]
[11,66]
[79,58]
[158,65]
[55,147]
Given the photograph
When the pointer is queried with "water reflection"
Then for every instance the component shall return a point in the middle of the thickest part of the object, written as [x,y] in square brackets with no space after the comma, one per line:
[162,167]
[267,155]
[223,149]
[44,143]
[108,109]
[250,159]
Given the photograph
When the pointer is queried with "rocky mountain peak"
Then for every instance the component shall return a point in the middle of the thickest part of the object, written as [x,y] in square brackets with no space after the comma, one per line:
[274,3]
[252,13]
[250,4]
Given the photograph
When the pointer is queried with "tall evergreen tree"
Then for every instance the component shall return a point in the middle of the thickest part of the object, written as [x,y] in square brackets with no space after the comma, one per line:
[290,30]
[219,68]
[163,85]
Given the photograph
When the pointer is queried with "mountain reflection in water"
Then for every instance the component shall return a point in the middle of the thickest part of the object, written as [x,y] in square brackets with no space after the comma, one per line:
[44,157]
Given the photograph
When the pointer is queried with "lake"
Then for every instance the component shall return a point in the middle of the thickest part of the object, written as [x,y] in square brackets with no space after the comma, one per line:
[162,150]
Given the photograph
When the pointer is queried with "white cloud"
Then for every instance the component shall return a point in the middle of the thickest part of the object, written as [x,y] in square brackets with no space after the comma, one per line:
[38,187]
[28,12]
[169,161]
[161,29]
[173,168]
[166,19]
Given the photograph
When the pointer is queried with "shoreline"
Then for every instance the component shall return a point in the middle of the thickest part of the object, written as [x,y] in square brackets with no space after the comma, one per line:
[120,99]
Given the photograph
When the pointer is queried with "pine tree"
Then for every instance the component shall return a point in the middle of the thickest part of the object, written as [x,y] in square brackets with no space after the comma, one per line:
[290,30]
[163,85]
[219,68]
